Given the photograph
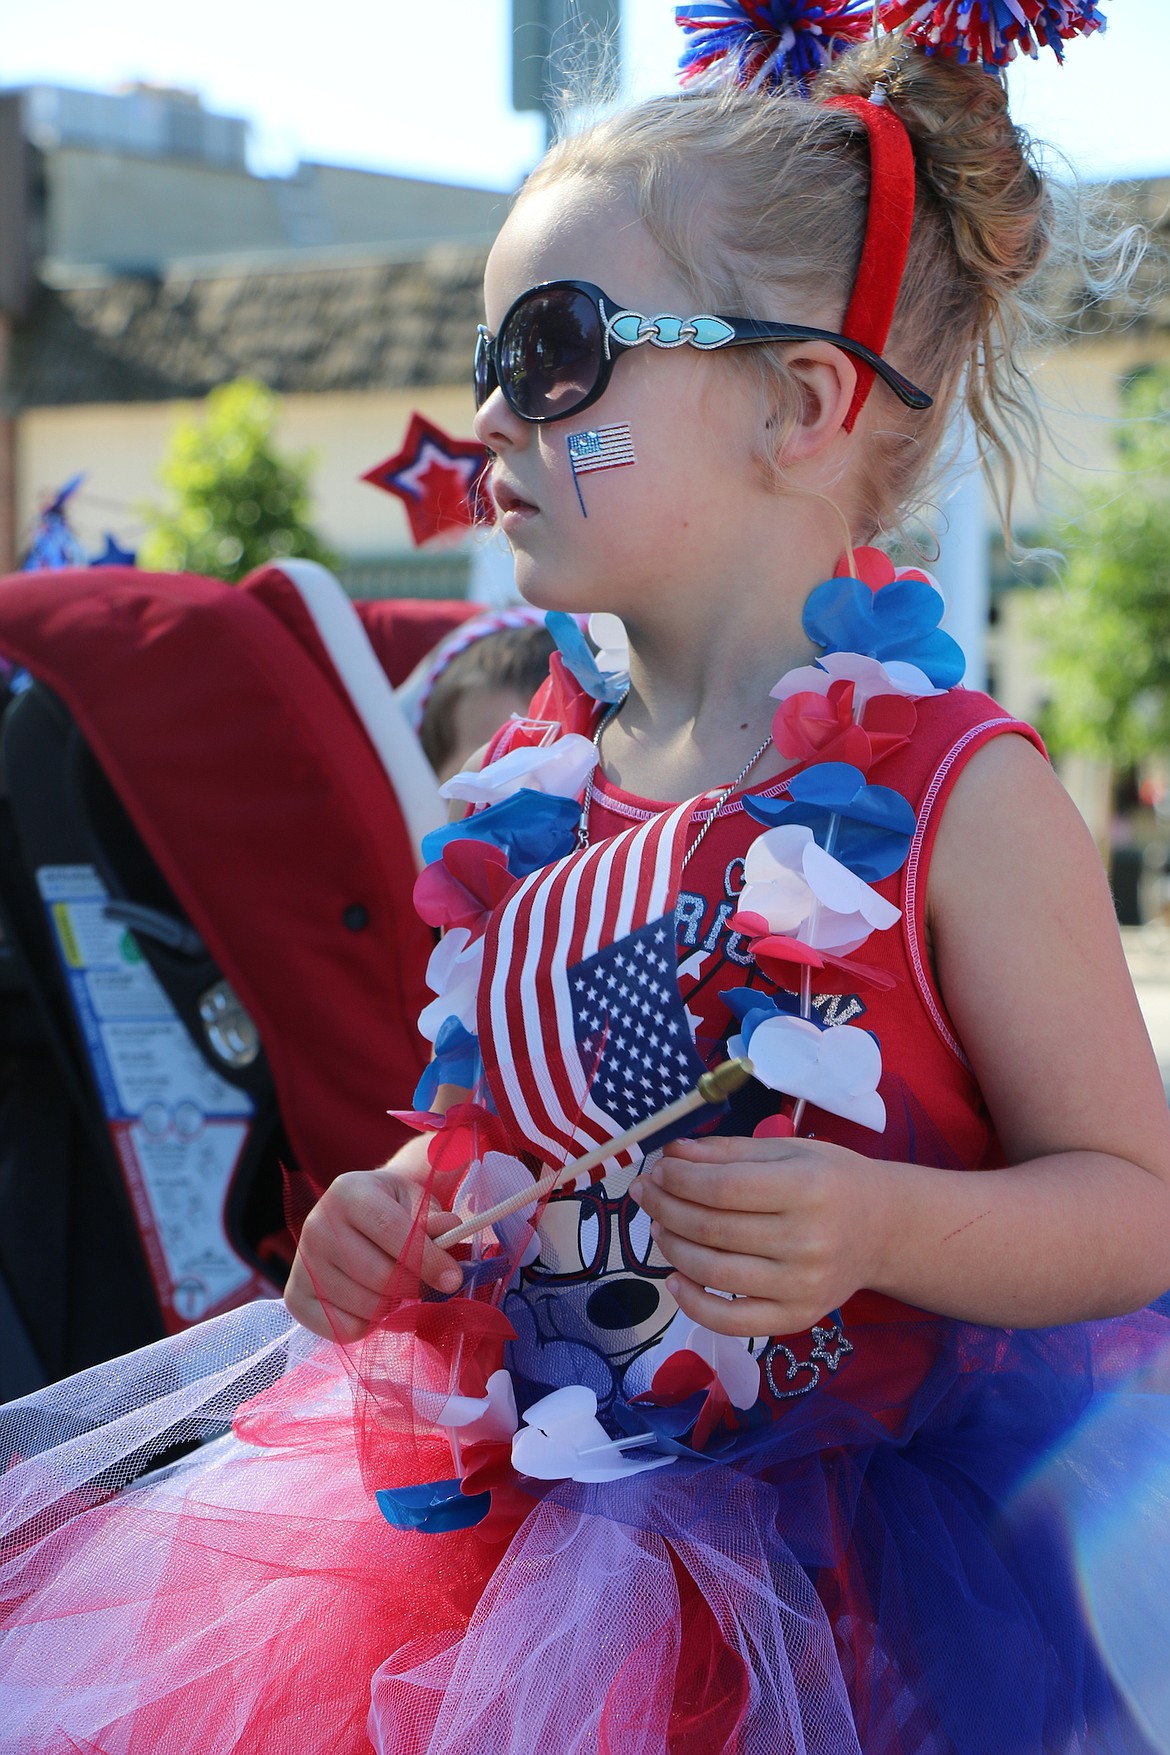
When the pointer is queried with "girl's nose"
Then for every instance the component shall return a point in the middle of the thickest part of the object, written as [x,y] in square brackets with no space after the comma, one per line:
[497,427]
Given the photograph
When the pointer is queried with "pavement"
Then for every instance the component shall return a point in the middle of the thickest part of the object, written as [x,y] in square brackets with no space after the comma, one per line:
[1147,951]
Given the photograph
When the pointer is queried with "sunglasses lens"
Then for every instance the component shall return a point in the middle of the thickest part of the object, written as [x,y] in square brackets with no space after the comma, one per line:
[549,354]
[485,371]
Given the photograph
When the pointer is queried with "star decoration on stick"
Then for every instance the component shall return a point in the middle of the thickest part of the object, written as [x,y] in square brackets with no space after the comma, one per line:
[438,478]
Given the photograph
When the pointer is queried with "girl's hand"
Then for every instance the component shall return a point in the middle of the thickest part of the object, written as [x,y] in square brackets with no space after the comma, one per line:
[351,1243]
[792,1227]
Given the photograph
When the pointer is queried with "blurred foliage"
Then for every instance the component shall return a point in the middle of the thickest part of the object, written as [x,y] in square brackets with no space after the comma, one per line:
[236,502]
[1106,629]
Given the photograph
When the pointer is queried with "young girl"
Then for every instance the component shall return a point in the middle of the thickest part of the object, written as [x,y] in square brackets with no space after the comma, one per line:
[723,1446]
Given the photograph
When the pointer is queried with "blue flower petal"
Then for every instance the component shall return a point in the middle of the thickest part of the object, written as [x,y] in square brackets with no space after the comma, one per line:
[752,1008]
[574,648]
[435,1507]
[531,828]
[456,1062]
[835,786]
[874,824]
[898,623]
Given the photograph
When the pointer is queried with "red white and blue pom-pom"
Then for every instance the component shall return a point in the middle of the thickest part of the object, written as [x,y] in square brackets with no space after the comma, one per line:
[992,32]
[760,43]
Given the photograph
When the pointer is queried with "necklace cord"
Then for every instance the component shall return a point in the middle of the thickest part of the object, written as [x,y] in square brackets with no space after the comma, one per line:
[587,797]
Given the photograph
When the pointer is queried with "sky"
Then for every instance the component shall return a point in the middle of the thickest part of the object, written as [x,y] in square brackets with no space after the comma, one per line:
[423,88]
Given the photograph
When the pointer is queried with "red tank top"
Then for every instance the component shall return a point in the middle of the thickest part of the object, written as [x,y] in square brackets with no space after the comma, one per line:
[935,1110]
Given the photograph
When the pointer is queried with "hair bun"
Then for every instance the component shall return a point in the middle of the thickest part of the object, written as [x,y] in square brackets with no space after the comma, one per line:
[971,157]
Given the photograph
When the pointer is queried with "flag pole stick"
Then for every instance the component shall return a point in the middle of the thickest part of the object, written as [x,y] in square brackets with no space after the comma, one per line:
[712,1087]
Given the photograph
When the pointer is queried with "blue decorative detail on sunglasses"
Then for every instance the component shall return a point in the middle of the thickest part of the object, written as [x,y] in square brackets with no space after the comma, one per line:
[631,329]
[711,332]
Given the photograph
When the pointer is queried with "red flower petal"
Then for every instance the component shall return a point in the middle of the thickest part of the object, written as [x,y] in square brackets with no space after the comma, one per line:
[783,959]
[752,925]
[467,882]
[888,722]
[874,568]
[774,1127]
[776,948]
[819,728]
[468,1132]
[422,1120]
[563,700]
[915,573]
[681,1375]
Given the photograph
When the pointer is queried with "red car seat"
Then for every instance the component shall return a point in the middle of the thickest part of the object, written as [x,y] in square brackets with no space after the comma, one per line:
[214,964]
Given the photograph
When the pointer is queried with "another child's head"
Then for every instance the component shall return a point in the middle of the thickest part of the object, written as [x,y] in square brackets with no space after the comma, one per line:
[482,686]
[743,203]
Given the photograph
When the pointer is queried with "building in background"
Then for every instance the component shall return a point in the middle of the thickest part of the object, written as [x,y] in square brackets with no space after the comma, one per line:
[154,266]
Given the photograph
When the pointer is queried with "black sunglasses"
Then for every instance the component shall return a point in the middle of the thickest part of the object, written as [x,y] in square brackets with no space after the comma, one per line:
[557,345]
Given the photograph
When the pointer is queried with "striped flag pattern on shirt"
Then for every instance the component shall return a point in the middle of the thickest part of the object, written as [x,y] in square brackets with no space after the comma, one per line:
[554,1023]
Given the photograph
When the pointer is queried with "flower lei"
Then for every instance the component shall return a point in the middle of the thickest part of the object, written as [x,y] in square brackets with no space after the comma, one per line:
[807,906]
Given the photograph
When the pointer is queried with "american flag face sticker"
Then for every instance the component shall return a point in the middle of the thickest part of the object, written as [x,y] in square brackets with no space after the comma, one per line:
[599,448]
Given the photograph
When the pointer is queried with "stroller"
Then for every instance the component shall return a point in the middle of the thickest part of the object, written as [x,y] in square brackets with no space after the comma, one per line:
[210,966]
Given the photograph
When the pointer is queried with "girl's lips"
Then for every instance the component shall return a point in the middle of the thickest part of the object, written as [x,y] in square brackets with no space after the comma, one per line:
[508,501]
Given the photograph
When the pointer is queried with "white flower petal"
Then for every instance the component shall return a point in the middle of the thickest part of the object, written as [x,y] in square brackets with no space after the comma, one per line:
[562,1439]
[608,634]
[493,1178]
[837,1070]
[871,677]
[490,1417]
[809,679]
[776,851]
[843,891]
[774,882]
[727,1355]
[445,955]
[732,1363]
[836,933]
[831,882]
[909,680]
[454,976]
[560,768]
[785,904]
[500,1419]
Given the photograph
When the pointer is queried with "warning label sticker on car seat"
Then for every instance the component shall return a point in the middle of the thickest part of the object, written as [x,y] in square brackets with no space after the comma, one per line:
[178,1127]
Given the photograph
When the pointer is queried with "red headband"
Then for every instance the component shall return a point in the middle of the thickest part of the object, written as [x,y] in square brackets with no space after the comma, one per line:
[887,235]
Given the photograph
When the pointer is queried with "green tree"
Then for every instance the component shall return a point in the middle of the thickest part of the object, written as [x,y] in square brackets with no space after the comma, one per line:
[236,502]
[1107,627]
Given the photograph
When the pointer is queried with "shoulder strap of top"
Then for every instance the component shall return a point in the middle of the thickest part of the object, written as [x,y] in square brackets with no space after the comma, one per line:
[971,722]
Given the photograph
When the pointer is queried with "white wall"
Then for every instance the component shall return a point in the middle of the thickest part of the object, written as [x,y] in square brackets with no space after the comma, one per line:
[120,447]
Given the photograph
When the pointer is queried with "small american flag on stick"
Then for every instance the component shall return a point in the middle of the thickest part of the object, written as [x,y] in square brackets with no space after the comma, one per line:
[581,1024]
[599,448]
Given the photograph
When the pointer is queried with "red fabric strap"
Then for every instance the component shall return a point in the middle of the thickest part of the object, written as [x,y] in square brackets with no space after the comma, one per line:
[887,235]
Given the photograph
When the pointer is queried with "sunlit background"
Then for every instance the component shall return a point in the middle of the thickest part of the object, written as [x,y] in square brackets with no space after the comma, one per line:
[305,197]
[424,89]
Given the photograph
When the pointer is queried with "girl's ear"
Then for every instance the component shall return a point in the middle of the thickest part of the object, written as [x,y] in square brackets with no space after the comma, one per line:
[825,378]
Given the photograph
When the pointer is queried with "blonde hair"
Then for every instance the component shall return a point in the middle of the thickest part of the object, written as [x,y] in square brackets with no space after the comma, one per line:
[759,200]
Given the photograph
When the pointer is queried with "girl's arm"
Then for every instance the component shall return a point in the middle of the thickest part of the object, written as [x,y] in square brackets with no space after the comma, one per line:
[1029,961]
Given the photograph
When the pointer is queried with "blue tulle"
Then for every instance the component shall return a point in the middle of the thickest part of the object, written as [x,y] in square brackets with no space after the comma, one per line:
[945,1558]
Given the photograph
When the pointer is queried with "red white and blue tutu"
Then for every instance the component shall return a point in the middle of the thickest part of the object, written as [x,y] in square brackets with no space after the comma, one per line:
[882,1579]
